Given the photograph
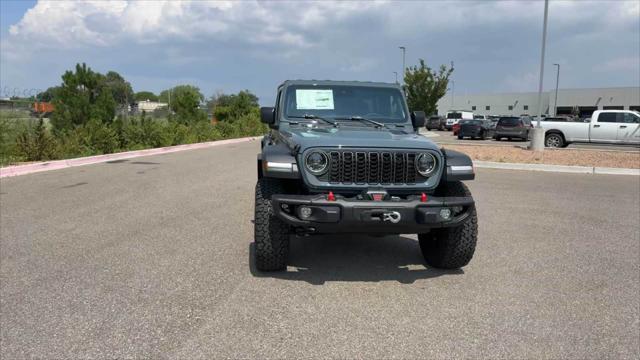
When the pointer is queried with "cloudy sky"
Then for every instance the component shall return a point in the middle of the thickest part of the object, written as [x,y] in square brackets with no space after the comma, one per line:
[229,46]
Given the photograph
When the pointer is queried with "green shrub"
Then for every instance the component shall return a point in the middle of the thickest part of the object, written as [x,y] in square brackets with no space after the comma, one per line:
[34,144]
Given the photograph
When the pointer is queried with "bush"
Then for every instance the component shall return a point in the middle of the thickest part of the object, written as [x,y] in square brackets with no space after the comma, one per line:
[36,144]
[28,140]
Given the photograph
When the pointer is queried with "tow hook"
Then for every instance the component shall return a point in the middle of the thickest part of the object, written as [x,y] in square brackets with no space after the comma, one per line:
[392,216]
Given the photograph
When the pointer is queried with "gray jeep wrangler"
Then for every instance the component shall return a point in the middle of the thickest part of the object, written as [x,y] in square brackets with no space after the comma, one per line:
[345,157]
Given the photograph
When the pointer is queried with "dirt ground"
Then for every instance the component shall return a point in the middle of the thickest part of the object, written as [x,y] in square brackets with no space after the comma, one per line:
[614,159]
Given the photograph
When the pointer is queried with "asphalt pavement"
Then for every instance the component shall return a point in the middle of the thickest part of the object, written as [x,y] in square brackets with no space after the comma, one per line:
[447,137]
[150,257]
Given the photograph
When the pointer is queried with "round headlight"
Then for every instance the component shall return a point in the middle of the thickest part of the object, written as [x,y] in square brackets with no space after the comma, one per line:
[317,162]
[426,164]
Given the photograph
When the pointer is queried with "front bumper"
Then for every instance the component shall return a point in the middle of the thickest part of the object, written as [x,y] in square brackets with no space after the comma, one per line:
[349,215]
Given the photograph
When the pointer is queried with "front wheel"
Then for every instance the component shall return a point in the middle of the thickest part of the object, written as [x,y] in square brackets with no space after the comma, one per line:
[459,137]
[451,248]
[553,140]
[271,235]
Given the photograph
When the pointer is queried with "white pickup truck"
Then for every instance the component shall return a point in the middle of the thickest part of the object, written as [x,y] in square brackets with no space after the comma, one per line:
[606,126]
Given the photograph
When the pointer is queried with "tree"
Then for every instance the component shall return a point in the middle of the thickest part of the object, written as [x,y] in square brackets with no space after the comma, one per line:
[145,95]
[424,86]
[120,88]
[184,101]
[47,95]
[83,95]
[230,107]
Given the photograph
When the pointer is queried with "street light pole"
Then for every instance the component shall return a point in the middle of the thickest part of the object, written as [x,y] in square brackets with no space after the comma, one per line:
[404,69]
[537,140]
[395,72]
[555,102]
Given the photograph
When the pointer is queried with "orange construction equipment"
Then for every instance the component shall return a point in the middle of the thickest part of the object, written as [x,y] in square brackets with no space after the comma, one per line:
[43,107]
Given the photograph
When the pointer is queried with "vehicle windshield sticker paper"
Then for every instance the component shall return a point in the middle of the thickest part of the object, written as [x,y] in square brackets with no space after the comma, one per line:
[314,99]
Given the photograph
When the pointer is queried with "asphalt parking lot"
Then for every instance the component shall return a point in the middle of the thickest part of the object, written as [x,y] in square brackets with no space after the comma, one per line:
[150,257]
[446,137]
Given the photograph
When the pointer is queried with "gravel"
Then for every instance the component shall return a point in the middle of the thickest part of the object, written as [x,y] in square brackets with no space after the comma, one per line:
[581,157]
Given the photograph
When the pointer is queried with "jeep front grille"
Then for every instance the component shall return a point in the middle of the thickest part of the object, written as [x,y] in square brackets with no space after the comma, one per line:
[371,167]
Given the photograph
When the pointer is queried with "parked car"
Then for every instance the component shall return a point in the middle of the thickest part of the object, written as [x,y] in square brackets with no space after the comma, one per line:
[456,127]
[513,127]
[476,129]
[605,126]
[436,122]
[480,117]
[453,117]
[346,166]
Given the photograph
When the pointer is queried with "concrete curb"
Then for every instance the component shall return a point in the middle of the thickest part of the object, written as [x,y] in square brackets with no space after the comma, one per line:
[556,168]
[17,170]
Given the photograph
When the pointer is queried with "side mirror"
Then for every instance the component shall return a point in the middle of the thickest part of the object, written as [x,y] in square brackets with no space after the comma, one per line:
[268,115]
[418,119]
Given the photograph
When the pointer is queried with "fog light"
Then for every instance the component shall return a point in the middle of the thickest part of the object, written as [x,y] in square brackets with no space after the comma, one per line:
[285,207]
[305,212]
[445,213]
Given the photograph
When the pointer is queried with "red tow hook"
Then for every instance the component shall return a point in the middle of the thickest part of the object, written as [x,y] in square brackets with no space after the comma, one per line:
[423,197]
[331,197]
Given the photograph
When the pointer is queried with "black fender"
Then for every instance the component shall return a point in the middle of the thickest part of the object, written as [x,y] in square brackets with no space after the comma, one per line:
[458,166]
[277,161]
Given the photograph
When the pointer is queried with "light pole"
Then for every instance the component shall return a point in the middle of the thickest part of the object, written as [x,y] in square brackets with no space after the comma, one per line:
[555,102]
[395,72]
[537,140]
[404,53]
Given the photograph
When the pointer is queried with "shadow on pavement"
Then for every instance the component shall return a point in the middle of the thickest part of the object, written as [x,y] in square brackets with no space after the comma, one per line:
[322,258]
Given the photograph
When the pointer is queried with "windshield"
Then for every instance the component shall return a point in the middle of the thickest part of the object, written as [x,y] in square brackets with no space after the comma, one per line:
[454,115]
[340,101]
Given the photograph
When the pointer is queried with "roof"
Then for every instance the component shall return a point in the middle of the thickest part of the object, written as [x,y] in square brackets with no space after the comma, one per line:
[343,83]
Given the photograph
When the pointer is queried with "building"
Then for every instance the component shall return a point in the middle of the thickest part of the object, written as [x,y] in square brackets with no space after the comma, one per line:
[582,102]
[149,106]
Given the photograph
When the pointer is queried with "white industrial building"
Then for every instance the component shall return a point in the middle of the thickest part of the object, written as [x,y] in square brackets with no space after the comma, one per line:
[581,101]
[149,106]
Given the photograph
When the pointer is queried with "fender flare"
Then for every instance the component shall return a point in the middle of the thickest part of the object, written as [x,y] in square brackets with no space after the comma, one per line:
[458,166]
[276,161]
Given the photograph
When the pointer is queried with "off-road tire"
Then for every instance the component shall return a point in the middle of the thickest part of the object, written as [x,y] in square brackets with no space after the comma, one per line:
[271,235]
[451,248]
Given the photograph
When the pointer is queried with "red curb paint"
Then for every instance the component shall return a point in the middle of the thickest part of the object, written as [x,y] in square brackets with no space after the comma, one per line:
[17,170]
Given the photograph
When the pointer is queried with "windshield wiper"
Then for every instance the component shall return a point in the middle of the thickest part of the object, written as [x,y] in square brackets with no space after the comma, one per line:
[360,118]
[315,117]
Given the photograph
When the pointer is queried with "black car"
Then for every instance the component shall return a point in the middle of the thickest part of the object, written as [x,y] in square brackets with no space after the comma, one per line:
[476,129]
[511,127]
[345,157]
[436,122]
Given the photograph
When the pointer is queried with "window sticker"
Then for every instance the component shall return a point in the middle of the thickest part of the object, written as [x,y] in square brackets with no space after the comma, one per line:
[314,99]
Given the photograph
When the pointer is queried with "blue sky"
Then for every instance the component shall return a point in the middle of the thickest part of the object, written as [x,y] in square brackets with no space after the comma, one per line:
[229,46]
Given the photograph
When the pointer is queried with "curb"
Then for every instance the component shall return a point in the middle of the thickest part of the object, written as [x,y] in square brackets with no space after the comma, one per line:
[557,168]
[31,168]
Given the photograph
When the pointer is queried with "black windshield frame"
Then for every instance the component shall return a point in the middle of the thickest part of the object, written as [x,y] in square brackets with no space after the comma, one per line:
[377,103]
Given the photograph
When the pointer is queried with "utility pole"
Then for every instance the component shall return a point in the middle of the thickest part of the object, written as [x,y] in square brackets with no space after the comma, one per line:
[555,102]
[537,140]
[404,69]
